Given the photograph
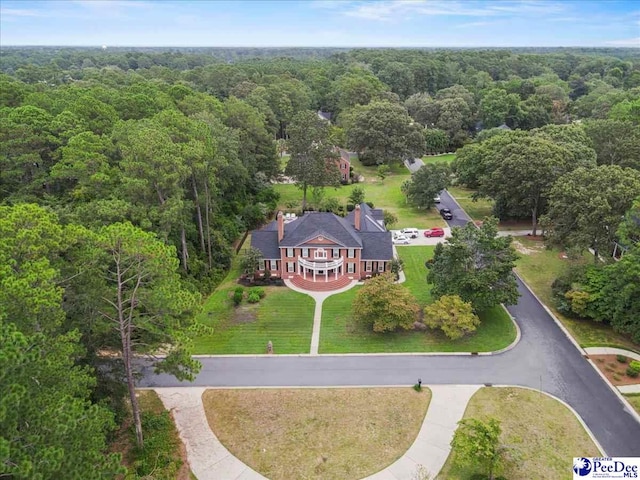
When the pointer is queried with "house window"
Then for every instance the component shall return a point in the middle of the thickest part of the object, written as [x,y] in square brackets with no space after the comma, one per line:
[261,264]
[367,266]
[321,253]
[291,267]
[381,266]
[305,252]
[289,252]
[274,265]
[335,253]
[351,253]
[351,267]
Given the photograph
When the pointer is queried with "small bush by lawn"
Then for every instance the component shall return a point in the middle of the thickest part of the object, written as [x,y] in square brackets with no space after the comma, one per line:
[541,433]
[323,434]
[341,334]
[163,456]
[283,317]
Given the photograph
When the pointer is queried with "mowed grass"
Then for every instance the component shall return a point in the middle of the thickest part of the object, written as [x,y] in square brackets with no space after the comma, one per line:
[340,333]
[322,434]
[386,195]
[445,157]
[477,210]
[283,317]
[542,434]
[634,400]
[539,267]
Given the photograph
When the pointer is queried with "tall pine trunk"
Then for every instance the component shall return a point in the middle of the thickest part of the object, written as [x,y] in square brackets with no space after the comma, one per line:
[185,250]
[198,213]
[207,207]
[124,326]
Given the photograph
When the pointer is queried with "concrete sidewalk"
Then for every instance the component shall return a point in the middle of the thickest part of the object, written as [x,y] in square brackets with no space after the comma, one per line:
[319,297]
[431,447]
[210,460]
[207,457]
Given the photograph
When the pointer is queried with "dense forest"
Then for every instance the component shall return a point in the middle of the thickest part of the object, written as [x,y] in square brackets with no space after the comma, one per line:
[126,175]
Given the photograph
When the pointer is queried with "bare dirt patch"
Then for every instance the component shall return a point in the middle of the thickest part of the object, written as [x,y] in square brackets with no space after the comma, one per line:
[245,313]
[614,370]
[520,248]
[317,433]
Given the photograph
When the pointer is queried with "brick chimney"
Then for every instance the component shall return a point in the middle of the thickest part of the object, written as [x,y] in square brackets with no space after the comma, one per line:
[357,217]
[280,226]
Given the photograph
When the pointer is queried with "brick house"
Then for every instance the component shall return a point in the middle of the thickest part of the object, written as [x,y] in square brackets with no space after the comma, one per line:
[324,247]
[344,165]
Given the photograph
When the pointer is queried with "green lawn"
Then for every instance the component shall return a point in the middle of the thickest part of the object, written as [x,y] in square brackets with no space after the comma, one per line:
[385,195]
[446,157]
[634,400]
[285,317]
[542,435]
[539,267]
[340,334]
[477,210]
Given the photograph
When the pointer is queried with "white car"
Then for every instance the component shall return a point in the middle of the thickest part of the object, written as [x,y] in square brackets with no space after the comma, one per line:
[436,199]
[410,232]
[400,240]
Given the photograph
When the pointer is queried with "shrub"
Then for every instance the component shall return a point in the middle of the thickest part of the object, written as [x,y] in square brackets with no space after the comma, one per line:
[253,297]
[417,387]
[238,294]
[370,204]
[621,358]
[260,292]
[158,456]
[452,315]
[633,370]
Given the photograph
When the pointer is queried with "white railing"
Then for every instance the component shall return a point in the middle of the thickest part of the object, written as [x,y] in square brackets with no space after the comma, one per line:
[320,265]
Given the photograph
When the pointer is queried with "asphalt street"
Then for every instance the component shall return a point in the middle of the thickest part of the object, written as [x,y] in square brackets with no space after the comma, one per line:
[543,359]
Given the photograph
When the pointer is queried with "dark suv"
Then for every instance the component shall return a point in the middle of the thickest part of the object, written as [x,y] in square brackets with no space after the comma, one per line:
[446,214]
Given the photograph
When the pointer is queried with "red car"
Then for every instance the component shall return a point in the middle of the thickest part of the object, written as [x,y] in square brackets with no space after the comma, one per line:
[434,232]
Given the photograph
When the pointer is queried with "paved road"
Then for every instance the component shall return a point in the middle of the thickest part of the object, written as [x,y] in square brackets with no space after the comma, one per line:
[544,359]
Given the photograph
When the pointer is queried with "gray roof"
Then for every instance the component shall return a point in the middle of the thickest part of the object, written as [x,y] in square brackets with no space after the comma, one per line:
[266,240]
[373,238]
[312,224]
[376,246]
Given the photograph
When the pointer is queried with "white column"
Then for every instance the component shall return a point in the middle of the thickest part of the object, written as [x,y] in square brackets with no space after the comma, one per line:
[326,274]
[304,272]
[314,274]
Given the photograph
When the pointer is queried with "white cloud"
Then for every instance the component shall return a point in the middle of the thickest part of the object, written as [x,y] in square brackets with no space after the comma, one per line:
[20,12]
[625,42]
[394,9]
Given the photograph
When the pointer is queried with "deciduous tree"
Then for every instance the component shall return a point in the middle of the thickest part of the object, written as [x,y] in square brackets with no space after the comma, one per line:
[427,183]
[384,305]
[477,442]
[476,265]
[452,315]
[313,158]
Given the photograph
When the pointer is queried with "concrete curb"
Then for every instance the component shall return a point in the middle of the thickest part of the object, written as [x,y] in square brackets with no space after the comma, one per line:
[552,315]
[612,351]
[627,406]
[515,342]
[629,389]
[569,407]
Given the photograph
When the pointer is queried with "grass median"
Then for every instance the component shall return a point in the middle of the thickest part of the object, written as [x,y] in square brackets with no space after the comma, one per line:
[540,433]
[317,433]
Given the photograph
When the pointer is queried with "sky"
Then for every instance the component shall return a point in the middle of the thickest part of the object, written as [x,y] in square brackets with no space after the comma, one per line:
[316,23]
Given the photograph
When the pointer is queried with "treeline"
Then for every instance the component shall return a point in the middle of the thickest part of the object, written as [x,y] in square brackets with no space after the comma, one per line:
[125,176]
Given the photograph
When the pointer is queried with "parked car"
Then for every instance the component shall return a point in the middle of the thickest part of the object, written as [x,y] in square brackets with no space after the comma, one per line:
[434,232]
[410,232]
[446,214]
[400,240]
[436,199]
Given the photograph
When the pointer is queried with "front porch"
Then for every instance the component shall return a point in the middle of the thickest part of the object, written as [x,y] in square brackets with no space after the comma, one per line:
[320,285]
[321,271]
